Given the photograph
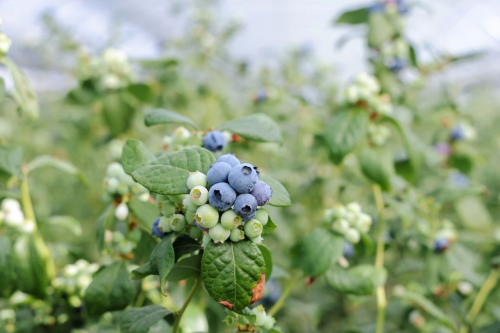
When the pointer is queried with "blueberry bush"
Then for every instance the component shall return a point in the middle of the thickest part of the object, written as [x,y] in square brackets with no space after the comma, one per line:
[198,192]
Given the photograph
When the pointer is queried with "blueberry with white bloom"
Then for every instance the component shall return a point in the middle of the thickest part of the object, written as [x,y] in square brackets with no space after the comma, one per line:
[218,173]
[229,159]
[245,206]
[441,245]
[221,196]
[262,192]
[243,178]
[214,141]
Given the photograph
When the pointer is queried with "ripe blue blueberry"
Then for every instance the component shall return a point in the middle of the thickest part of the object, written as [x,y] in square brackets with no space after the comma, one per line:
[262,192]
[214,141]
[229,159]
[348,250]
[441,245]
[155,231]
[221,196]
[243,178]
[218,173]
[457,133]
[245,206]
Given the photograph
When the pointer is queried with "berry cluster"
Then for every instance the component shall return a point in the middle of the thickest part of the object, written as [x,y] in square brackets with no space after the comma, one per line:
[117,183]
[74,280]
[349,221]
[445,236]
[183,138]
[223,203]
[12,215]
[262,319]
[366,90]
[463,131]
[378,133]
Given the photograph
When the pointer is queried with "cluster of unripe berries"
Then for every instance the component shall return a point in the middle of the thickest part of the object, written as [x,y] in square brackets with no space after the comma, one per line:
[366,89]
[223,203]
[74,280]
[12,215]
[262,319]
[349,221]
[378,133]
[117,183]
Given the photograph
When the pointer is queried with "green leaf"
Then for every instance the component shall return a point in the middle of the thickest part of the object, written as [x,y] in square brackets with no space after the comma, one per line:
[344,132]
[135,155]
[191,159]
[413,56]
[110,289]
[67,223]
[24,95]
[162,260]
[231,271]
[183,245]
[186,268]
[65,166]
[268,258]
[10,160]
[280,197]
[360,280]
[117,113]
[141,91]
[377,165]
[257,127]
[162,116]
[145,211]
[145,246]
[162,179]
[317,251]
[269,227]
[7,278]
[142,271]
[357,16]
[104,222]
[429,307]
[140,320]
[380,29]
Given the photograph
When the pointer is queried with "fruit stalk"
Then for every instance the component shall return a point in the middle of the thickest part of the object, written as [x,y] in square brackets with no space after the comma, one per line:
[281,301]
[25,198]
[179,313]
[379,259]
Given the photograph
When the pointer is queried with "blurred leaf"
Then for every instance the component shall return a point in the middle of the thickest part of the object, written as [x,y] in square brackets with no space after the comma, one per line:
[2,91]
[104,222]
[257,127]
[269,227]
[110,289]
[344,132]
[380,29]
[191,159]
[413,56]
[7,278]
[467,56]
[134,155]
[377,165]
[430,308]
[46,160]
[317,251]
[231,271]
[360,280]
[11,159]
[357,16]
[162,116]
[159,63]
[140,320]
[280,197]
[186,268]
[473,213]
[162,260]
[183,245]
[67,223]
[24,95]
[268,258]
[141,91]
[144,247]
[117,113]
[462,162]
[142,271]
[466,261]
[431,270]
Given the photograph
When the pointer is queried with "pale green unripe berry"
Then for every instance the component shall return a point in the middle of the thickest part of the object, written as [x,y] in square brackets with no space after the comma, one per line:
[122,189]
[125,247]
[178,222]
[237,235]
[341,226]
[164,224]
[124,178]
[177,198]
[354,207]
[218,233]
[112,184]
[114,170]
[195,232]
[160,199]
[352,236]
[230,220]
[206,239]
[190,217]
[262,216]
[118,237]
[257,240]
[189,205]
[253,228]
[196,179]
[199,195]
[138,189]
[168,208]
[207,216]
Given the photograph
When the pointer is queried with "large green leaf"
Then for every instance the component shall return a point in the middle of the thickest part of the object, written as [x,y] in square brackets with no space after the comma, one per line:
[142,272]
[134,155]
[11,159]
[141,91]
[429,307]
[162,260]
[257,127]
[357,16]
[183,245]
[360,280]
[280,197]
[344,132]
[191,159]
[117,113]
[377,165]
[162,116]
[317,251]
[268,258]
[140,320]
[6,266]
[24,94]
[233,273]
[269,227]
[162,179]
[145,211]
[111,289]
[186,268]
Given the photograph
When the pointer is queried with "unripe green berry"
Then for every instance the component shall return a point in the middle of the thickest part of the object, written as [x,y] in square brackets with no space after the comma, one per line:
[262,216]
[206,239]
[178,222]
[341,226]
[122,189]
[125,247]
[253,229]
[112,184]
[160,199]
[237,235]
[168,208]
[127,179]
[195,232]
[118,237]
[189,205]
[352,236]
[257,240]
[164,224]
[196,179]
[138,189]
[114,170]
[177,198]
[190,217]
[230,220]
[207,216]
[199,195]
[218,233]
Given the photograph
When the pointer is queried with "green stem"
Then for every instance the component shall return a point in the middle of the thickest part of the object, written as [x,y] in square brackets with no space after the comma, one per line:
[185,305]
[141,297]
[281,301]
[25,198]
[379,258]
[481,297]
